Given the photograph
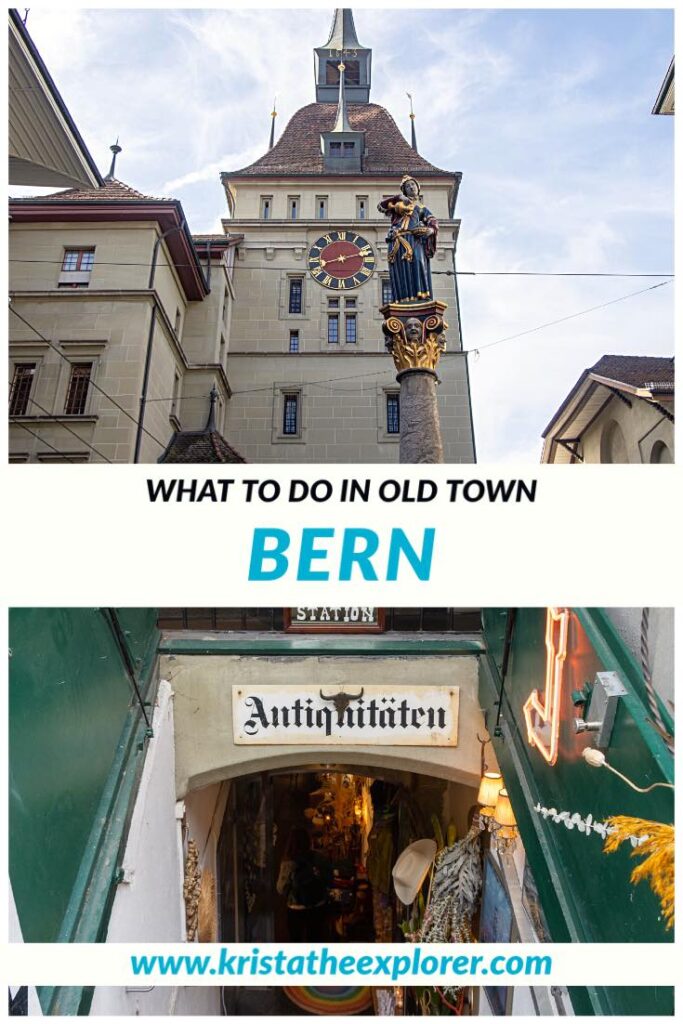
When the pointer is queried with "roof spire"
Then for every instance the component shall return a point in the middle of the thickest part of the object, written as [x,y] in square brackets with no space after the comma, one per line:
[115,149]
[341,123]
[272,124]
[342,45]
[413,136]
[211,422]
[343,32]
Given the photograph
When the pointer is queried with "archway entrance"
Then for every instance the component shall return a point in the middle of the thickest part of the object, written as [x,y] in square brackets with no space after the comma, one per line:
[305,854]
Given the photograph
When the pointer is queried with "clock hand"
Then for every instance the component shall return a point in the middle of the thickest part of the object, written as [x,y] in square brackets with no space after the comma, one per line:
[340,259]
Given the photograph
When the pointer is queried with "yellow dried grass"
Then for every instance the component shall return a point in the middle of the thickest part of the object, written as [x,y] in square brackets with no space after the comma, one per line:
[658,851]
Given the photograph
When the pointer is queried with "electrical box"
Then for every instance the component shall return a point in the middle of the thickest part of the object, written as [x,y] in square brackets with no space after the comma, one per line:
[602,710]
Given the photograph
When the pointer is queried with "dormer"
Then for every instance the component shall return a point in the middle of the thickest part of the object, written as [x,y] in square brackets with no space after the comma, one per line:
[342,147]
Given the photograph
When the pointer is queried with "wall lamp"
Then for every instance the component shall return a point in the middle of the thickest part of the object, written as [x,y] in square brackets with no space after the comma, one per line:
[496,815]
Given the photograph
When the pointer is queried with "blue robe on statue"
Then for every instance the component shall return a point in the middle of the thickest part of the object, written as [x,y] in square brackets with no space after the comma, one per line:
[410,248]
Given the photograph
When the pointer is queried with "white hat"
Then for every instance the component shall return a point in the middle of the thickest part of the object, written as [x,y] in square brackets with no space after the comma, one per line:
[411,867]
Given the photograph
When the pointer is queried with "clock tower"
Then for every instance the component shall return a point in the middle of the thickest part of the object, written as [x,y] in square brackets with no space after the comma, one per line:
[310,377]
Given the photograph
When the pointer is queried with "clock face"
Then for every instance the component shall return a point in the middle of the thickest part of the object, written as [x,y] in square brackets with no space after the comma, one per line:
[341,260]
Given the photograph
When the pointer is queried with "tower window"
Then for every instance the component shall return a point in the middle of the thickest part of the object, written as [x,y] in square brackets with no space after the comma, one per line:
[266,207]
[293,341]
[290,415]
[296,287]
[386,291]
[349,148]
[333,329]
[321,207]
[351,332]
[361,207]
[335,149]
[22,383]
[293,204]
[77,391]
[393,414]
[351,72]
[333,303]
[350,303]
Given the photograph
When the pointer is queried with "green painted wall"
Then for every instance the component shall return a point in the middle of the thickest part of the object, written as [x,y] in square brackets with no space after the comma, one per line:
[74,718]
[586,895]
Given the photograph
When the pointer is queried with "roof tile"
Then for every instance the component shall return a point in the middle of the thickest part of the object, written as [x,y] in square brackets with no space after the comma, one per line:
[637,371]
[112,190]
[297,151]
[199,446]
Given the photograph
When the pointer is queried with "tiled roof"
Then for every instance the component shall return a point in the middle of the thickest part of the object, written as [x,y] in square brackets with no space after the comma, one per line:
[298,149]
[112,190]
[199,446]
[636,371]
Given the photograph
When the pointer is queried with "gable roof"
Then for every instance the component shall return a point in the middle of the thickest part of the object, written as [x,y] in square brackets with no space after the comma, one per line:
[649,372]
[297,152]
[199,446]
[649,378]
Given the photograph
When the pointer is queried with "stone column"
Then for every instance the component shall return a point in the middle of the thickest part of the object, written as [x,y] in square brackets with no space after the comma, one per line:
[419,417]
[415,339]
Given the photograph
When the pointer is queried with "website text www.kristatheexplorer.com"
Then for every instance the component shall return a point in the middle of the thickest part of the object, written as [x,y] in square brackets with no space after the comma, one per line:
[322,963]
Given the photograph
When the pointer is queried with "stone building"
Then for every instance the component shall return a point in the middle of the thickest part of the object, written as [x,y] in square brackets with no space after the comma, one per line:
[620,410]
[118,327]
[123,323]
[310,376]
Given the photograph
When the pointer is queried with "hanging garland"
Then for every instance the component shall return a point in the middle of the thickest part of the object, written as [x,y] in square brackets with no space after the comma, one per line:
[588,824]
[652,840]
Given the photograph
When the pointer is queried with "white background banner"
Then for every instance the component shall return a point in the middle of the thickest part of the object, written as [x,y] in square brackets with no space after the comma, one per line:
[577,544]
[572,964]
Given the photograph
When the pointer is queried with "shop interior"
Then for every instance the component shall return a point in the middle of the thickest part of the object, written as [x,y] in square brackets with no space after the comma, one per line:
[307,855]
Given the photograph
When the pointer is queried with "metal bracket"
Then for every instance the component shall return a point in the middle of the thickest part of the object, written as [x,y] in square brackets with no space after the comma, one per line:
[602,710]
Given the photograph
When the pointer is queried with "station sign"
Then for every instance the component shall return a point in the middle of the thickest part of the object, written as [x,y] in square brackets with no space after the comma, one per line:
[334,619]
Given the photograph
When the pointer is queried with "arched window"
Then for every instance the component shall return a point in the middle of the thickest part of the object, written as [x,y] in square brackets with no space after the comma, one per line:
[613,444]
[661,453]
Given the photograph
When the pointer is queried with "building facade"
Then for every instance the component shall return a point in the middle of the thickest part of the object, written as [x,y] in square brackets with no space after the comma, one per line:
[118,326]
[123,324]
[621,410]
[311,379]
[187,780]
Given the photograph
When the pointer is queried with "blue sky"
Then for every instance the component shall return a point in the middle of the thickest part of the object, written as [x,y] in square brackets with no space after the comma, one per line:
[545,112]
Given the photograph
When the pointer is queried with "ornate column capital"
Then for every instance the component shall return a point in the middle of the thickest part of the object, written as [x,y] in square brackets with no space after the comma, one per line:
[414,334]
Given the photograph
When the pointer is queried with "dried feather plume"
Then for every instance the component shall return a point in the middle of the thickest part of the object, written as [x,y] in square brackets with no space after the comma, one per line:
[191,890]
[656,845]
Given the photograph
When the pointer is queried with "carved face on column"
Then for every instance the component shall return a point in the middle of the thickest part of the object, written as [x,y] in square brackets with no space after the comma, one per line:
[413,330]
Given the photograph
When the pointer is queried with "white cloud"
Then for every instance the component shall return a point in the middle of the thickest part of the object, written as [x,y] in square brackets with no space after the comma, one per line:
[545,112]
